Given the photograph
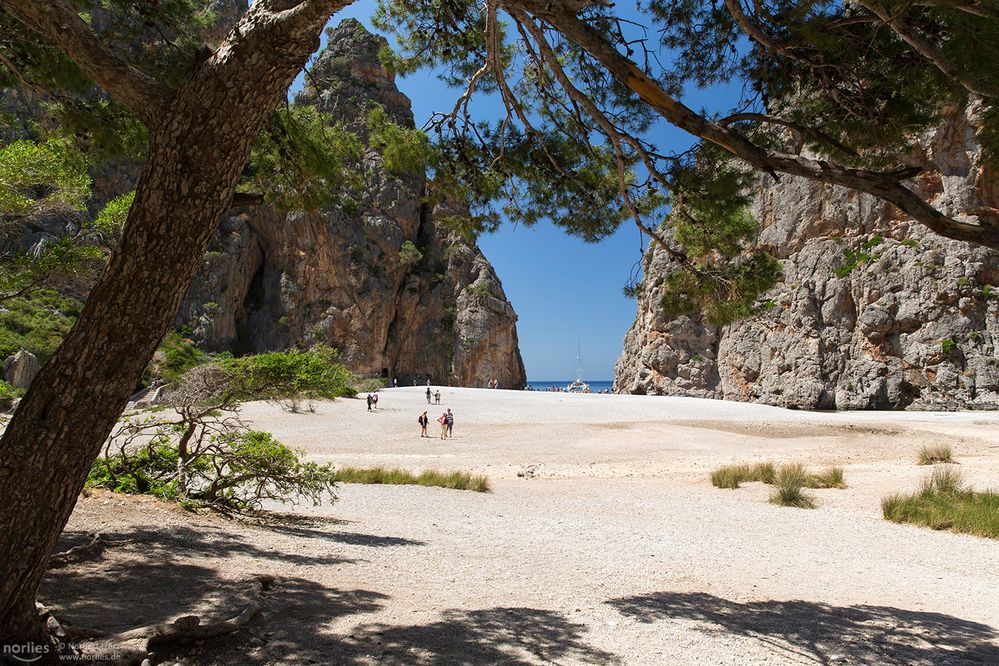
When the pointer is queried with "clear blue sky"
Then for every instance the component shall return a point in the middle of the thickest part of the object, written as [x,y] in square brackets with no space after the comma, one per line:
[562,288]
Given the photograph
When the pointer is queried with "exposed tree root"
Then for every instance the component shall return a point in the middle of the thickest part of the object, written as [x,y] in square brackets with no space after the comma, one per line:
[131,647]
[97,545]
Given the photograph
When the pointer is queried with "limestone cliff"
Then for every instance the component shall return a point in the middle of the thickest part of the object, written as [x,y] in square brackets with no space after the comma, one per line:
[274,279]
[874,312]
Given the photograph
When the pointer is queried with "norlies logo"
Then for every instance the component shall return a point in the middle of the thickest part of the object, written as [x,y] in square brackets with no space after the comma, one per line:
[25,653]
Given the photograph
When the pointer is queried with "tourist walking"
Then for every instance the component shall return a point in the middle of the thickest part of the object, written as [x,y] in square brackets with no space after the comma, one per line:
[369,402]
[449,419]
[395,382]
[443,421]
[437,397]
[374,399]
[423,420]
[428,395]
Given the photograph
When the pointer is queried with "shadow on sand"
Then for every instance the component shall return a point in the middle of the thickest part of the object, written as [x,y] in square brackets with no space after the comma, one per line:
[820,633]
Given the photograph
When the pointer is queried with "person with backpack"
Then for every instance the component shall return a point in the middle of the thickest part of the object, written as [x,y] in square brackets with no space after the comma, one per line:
[437,398]
[428,395]
[443,421]
[369,402]
[375,400]
[423,420]
[449,419]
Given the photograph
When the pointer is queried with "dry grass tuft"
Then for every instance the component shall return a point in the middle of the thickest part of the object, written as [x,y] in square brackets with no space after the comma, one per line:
[938,453]
[945,502]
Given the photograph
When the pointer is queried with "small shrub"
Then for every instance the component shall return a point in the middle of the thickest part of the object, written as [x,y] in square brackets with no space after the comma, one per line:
[8,394]
[409,254]
[947,345]
[400,477]
[938,453]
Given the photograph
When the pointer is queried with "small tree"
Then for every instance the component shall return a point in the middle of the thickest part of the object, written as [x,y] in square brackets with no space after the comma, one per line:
[197,450]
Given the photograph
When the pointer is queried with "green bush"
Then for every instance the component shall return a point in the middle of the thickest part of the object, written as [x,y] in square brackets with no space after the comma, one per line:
[289,377]
[790,482]
[235,471]
[830,478]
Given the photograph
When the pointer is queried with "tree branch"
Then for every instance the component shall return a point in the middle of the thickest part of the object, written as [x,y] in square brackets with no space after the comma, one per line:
[908,34]
[885,186]
[59,24]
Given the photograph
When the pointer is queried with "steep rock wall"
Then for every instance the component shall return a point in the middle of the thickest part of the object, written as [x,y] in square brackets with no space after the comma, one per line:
[874,312]
[273,280]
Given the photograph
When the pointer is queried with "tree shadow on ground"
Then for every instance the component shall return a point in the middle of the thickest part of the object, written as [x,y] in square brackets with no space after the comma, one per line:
[150,574]
[828,634]
[487,636]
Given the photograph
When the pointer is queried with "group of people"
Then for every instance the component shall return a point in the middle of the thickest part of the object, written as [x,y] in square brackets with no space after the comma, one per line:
[436,396]
[373,400]
[446,420]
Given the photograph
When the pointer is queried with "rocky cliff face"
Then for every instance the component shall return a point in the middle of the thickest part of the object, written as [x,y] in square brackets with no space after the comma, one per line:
[274,280]
[874,312]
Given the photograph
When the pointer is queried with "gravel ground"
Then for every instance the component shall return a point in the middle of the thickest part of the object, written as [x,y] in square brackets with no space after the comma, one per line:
[602,541]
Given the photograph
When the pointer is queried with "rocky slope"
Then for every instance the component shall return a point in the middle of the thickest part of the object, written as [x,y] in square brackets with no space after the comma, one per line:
[874,312]
[274,279]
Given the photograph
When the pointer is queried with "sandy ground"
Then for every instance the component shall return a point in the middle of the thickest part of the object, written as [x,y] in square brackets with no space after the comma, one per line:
[602,541]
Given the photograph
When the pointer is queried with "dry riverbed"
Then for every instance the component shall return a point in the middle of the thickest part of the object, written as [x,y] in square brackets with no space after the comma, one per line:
[602,541]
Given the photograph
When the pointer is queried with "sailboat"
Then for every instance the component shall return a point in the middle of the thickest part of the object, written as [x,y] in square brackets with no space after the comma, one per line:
[578,386]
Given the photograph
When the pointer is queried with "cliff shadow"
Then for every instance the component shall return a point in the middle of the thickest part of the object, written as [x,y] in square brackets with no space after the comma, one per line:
[825,633]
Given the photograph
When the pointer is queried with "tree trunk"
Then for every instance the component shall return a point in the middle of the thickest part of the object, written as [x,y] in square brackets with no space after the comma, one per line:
[196,152]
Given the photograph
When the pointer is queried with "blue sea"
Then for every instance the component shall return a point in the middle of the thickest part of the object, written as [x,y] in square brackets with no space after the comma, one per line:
[595,386]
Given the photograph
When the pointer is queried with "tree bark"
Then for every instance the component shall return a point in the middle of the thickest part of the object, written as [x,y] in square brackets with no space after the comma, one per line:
[198,146]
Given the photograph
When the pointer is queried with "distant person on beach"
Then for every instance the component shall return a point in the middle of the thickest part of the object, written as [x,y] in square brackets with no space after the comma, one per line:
[443,421]
[428,395]
[423,420]
[395,382]
[374,399]
[369,402]
[437,397]
[428,382]
[449,418]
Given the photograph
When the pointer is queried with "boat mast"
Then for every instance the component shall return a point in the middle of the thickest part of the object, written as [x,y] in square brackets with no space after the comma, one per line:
[579,361]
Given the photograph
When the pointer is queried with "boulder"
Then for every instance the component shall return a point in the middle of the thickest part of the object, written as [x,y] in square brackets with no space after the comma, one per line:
[21,369]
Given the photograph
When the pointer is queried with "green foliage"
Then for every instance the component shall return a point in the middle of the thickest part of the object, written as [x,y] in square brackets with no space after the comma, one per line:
[945,503]
[37,322]
[111,220]
[35,176]
[936,453]
[289,377]
[990,293]
[237,471]
[410,254]
[402,149]
[479,292]
[382,475]
[947,346]
[302,160]
[854,258]
[180,355]
[725,292]
[8,394]
[55,264]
